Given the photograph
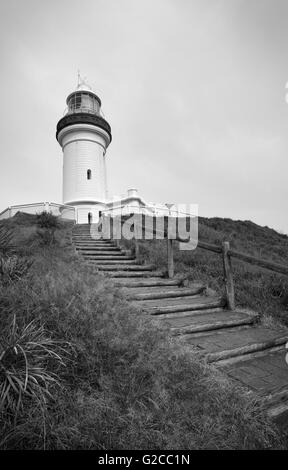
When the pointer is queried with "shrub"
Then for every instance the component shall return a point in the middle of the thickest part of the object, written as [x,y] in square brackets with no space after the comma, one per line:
[47,223]
[47,220]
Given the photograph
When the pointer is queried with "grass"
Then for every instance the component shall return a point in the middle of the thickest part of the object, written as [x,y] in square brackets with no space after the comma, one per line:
[108,378]
[255,288]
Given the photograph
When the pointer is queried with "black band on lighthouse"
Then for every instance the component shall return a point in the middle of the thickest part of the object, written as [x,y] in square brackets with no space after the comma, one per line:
[83,118]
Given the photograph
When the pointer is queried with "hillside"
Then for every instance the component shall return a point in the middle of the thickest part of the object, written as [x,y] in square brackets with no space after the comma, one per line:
[82,370]
[255,288]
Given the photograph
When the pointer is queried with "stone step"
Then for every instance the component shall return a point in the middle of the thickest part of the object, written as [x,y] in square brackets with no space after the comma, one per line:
[182,305]
[123,267]
[208,320]
[165,294]
[219,345]
[153,282]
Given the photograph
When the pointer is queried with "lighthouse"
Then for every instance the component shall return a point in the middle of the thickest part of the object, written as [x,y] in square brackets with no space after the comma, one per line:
[84,136]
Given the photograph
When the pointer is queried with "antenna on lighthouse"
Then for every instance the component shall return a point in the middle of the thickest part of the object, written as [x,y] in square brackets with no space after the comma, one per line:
[82,81]
[79,78]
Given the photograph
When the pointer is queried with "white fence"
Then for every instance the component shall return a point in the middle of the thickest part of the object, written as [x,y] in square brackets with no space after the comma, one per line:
[60,210]
[157,210]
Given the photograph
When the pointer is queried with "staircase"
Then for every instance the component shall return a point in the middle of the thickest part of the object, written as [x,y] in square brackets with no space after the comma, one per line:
[251,354]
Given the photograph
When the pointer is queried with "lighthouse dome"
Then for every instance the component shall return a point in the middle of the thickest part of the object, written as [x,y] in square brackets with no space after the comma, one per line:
[83,100]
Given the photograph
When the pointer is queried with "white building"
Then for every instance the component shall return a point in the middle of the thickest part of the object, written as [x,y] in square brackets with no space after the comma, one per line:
[84,136]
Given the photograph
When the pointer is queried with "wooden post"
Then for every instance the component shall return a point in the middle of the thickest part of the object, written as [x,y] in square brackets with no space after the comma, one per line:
[228,277]
[170,260]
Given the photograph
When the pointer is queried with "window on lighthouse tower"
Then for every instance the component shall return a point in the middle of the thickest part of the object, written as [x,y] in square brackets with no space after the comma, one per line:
[89,174]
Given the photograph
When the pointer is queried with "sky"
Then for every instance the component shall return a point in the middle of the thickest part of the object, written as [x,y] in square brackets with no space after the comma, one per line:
[194,91]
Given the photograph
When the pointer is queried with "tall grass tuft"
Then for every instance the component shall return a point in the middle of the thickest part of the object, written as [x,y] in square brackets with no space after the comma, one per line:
[13,268]
[27,356]
[6,239]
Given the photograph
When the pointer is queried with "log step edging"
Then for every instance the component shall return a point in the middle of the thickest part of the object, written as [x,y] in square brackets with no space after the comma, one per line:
[117,258]
[261,346]
[215,325]
[188,313]
[222,363]
[149,283]
[102,262]
[134,274]
[168,294]
[184,308]
[123,267]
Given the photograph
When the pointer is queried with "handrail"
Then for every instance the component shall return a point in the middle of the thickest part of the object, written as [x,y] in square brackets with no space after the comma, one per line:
[279,268]
[223,250]
[270,265]
[276,267]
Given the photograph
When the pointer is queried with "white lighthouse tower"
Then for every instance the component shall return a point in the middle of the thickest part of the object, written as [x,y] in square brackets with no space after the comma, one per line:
[84,136]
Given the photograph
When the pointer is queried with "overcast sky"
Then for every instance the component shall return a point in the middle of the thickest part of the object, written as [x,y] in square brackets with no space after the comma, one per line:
[194,91]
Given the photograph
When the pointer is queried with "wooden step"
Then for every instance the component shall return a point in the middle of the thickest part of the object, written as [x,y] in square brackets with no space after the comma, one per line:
[207,320]
[266,373]
[187,313]
[88,236]
[231,342]
[198,303]
[81,232]
[108,257]
[98,249]
[151,282]
[93,243]
[94,248]
[277,407]
[123,267]
[92,240]
[136,274]
[164,294]
[101,252]
[113,263]
[89,240]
